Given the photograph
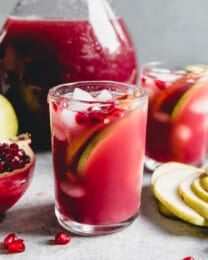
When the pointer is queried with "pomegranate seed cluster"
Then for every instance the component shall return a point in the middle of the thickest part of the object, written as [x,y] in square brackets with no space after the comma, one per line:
[14,244]
[12,157]
[93,116]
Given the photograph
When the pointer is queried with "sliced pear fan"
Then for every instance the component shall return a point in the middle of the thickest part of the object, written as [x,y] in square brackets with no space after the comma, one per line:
[160,171]
[165,190]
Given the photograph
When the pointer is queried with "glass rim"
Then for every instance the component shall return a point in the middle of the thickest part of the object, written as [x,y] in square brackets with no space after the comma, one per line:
[54,95]
[171,66]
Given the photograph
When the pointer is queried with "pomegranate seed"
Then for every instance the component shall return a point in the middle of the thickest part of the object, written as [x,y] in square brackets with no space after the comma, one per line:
[143,80]
[16,246]
[21,153]
[8,157]
[96,117]
[82,118]
[4,147]
[26,158]
[14,163]
[62,238]
[55,107]
[14,147]
[188,258]
[117,112]
[160,84]
[9,238]
[21,164]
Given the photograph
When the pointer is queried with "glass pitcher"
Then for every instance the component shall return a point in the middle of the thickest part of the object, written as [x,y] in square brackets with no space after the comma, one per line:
[47,42]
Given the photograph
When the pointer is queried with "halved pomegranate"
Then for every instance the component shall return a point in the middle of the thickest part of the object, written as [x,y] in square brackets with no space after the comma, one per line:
[17,162]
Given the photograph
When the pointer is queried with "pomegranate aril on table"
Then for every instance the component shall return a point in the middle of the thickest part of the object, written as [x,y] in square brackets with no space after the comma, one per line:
[13,243]
[9,238]
[62,238]
[189,258]
[16,246]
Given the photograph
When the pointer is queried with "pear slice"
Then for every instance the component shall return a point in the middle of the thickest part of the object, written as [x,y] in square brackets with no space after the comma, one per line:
[204,181]
[190,198]
[165,190]
[164,168]
[198,190]
[77,142]
[160,171]
[165,211]
[196,68]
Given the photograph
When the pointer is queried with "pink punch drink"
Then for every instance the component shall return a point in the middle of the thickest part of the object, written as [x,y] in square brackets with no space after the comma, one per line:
[177,128]
[98,140]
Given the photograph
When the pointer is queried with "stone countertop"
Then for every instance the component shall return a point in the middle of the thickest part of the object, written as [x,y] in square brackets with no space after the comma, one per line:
[150,237]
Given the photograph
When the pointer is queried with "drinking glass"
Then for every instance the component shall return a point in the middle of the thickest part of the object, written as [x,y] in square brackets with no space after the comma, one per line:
[98,140]
[177,128]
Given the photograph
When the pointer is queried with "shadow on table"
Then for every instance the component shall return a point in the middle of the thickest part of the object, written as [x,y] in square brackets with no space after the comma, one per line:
[149,210]
[35,220]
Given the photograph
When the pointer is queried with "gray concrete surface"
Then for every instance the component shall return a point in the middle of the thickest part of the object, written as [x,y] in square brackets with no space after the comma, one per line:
[150,237]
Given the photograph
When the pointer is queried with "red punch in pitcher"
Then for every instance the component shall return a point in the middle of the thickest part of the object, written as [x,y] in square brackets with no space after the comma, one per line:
[44,43]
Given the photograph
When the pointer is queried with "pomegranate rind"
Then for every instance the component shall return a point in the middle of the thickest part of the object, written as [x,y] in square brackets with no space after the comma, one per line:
[14,184]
